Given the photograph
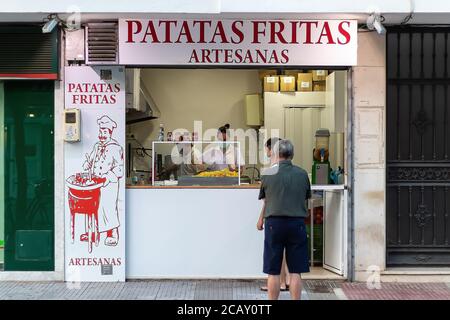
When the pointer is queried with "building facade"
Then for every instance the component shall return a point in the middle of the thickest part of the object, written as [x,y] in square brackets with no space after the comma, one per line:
[397,198]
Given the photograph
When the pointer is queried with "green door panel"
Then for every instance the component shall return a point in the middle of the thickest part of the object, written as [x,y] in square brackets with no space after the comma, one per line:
[28,188]
[34,245]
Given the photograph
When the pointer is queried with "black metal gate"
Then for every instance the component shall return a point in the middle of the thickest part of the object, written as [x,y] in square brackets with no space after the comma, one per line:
[417,147]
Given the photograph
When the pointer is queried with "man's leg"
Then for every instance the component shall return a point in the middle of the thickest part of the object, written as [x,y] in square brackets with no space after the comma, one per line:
[283,274]
[297,257]
[273,255]
[273,284]
[288,276]
[295,286]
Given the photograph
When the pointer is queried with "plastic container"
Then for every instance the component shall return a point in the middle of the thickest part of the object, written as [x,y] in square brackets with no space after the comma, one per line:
[322,139]
[134,178]
[161,132]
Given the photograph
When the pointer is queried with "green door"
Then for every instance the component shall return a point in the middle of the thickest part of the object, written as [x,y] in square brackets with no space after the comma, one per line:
[27,188]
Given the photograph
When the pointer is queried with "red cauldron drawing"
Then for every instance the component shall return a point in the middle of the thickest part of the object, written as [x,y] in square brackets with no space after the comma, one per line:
[84,198]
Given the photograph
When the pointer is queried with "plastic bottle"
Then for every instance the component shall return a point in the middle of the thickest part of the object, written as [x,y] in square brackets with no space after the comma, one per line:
[134,179]
[161,132]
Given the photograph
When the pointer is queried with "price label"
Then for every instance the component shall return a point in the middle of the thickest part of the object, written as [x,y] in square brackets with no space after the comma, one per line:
[320,72]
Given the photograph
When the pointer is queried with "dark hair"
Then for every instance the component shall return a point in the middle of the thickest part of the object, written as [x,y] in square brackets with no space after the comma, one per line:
[271,142]
[224,128]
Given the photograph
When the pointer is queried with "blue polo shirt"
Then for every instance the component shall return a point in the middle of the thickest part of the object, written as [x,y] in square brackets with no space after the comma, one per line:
[285,188]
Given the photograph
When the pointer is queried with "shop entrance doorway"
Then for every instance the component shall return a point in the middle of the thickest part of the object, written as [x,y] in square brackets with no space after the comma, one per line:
[219,96]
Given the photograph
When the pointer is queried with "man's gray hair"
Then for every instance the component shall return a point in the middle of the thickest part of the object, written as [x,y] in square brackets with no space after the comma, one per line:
[284,149]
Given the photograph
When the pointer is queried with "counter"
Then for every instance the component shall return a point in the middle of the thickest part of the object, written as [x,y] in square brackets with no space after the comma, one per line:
[242,186]
[195,232]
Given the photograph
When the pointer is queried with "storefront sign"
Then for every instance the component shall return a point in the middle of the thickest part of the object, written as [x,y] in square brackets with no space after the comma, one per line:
[95,178]
[237,42]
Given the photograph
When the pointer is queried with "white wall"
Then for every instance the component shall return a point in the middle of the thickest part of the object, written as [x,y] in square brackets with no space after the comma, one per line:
[217,6]
[315,6]
[425,11]
[369,97]
[183,96]
[193,233]
[200,6]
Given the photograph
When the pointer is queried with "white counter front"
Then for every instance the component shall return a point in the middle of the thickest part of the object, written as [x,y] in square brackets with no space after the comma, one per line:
[193,233]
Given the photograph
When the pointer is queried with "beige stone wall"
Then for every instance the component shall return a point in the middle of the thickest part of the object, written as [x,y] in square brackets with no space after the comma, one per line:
[369,101]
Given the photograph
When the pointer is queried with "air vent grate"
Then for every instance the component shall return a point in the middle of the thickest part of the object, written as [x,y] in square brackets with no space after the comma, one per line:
[101,43]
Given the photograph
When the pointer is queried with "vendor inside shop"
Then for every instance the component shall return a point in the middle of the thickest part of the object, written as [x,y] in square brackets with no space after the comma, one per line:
[188,160]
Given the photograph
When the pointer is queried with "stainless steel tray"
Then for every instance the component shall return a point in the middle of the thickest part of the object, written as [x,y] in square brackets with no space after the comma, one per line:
[207,181]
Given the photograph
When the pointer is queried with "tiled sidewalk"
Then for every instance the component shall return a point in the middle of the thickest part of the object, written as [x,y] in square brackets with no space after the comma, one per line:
[217,290]
[159,290]
[397,291]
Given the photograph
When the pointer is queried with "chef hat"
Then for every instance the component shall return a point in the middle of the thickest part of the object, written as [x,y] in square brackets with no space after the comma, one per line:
[106,122]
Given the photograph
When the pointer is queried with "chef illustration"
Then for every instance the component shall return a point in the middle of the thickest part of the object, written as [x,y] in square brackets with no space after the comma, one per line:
[106,161]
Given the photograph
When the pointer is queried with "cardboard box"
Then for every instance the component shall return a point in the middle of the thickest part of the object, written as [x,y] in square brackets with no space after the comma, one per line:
[319,85]
[292,73]
[304,82]
[266,73]
[319,75]
[271,84]
[287,83]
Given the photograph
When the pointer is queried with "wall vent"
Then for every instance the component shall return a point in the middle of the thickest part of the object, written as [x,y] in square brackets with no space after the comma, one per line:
[101,43]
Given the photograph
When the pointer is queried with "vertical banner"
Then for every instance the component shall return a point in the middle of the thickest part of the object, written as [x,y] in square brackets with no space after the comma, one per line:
[95,175]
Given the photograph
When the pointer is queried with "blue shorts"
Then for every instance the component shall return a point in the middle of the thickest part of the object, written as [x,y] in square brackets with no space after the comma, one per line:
[285,233]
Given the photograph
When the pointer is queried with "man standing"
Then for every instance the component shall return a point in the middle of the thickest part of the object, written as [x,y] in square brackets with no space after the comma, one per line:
[106,161]
[285,189]
[284,275]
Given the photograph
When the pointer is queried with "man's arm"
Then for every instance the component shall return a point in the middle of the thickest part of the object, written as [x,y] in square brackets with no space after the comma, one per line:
[262,196]
[308,190]
[196,159]
[308,194]
[307,186]
[260,224]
